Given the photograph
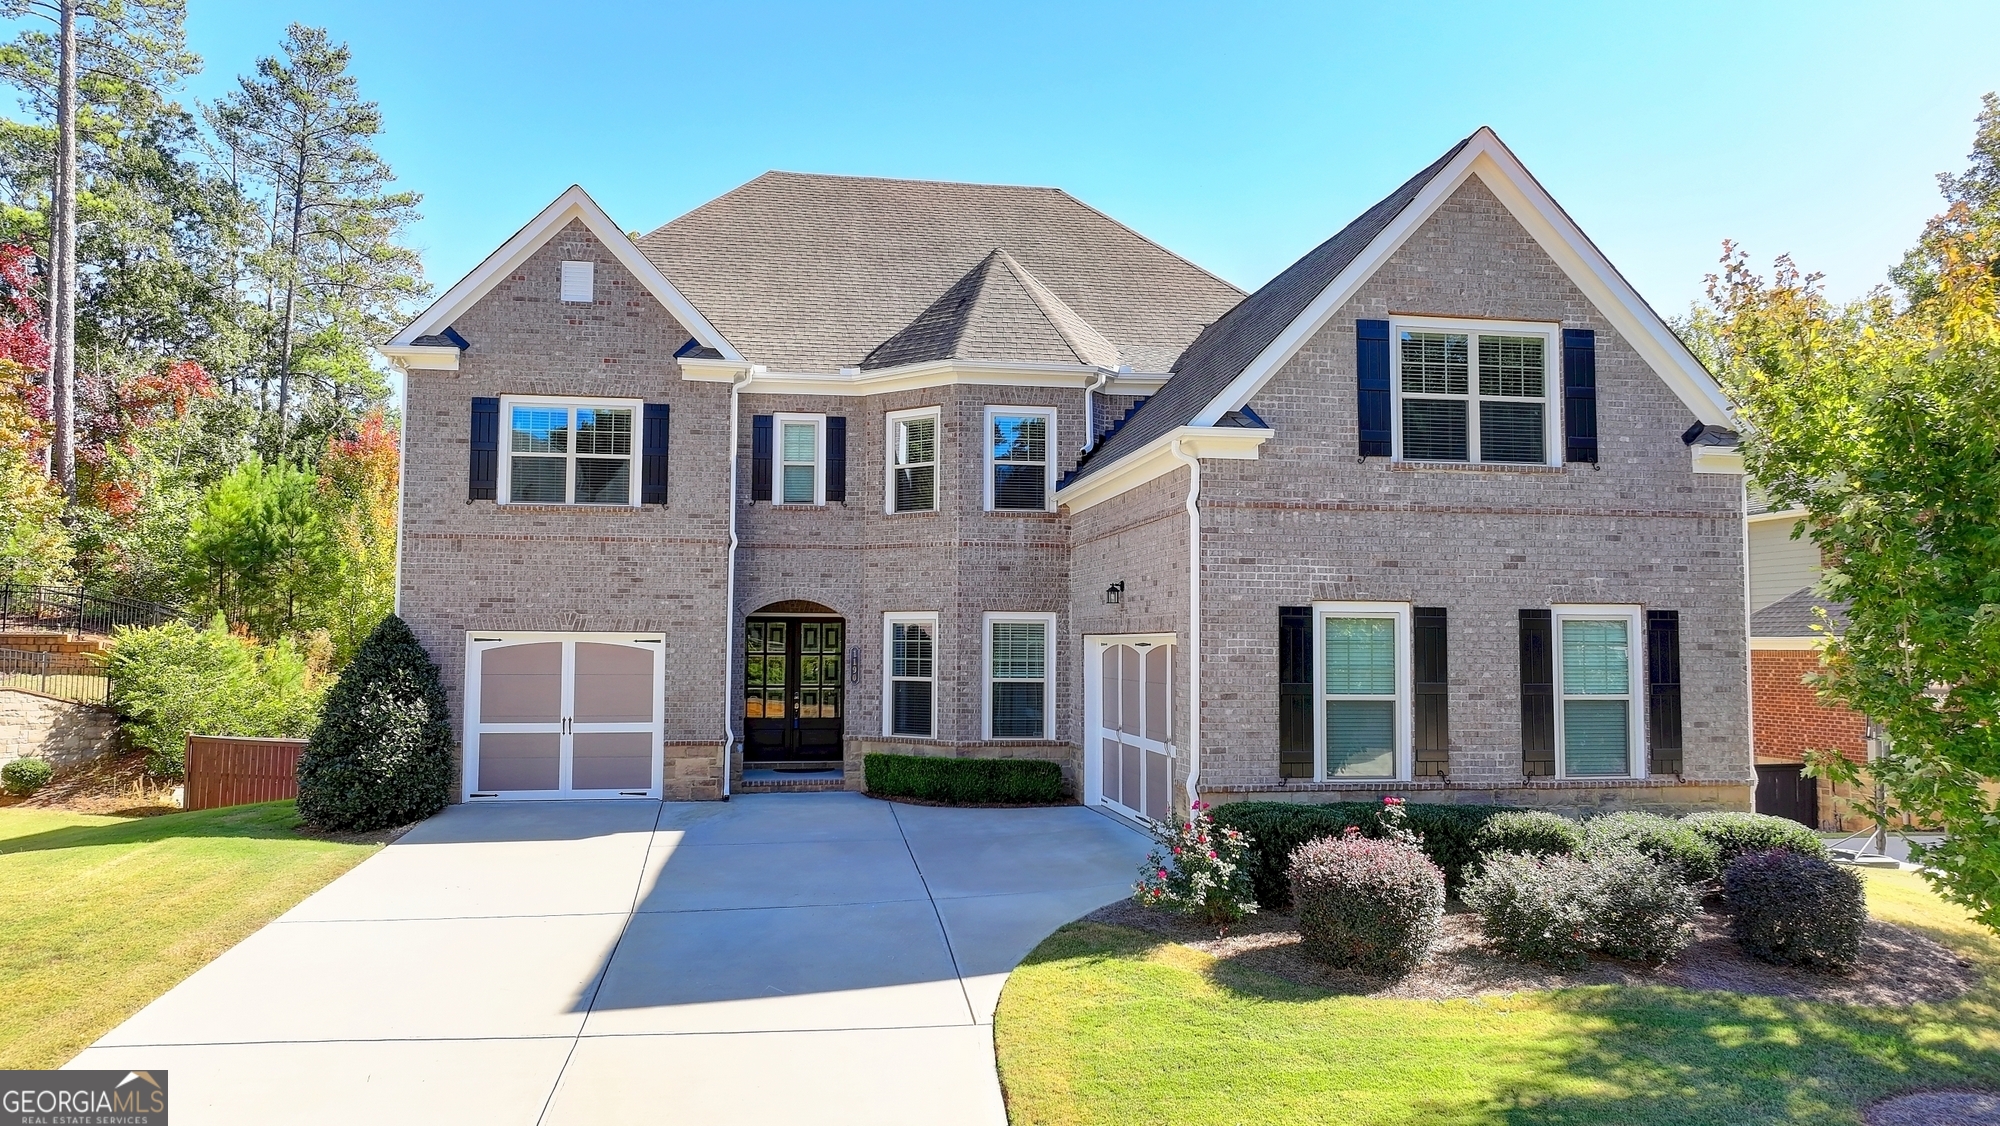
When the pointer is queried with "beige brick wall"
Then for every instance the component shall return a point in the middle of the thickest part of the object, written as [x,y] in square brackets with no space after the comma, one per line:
[1307,521]
[484,566]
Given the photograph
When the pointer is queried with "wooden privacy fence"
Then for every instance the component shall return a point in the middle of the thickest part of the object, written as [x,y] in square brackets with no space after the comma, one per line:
[228,770]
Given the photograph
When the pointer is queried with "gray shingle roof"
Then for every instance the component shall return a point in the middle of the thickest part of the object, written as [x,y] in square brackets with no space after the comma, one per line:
[1795,614]
[998,311]
[1225,348]
[813,273]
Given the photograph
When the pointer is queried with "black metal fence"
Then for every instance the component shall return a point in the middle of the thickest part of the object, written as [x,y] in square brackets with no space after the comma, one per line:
[76,610]
[54,674]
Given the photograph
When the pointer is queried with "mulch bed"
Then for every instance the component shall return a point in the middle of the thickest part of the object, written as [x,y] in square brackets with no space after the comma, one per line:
[115,784]
[1897,967]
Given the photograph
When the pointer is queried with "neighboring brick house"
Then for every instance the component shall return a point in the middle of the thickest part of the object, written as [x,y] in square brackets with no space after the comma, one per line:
[1788,621]
[832,465]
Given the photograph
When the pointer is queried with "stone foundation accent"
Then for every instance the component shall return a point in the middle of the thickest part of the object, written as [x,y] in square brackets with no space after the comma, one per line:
[65,733]
[693,772]
[1650,795]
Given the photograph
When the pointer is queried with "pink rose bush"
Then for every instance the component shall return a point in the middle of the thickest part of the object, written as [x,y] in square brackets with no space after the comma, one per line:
[1198,869]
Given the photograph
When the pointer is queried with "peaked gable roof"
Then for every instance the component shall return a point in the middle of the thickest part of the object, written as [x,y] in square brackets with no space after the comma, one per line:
[809,273]
[997,311]
[1234,357]
[574,205]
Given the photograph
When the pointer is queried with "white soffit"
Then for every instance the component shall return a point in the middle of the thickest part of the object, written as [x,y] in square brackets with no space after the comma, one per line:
[574,204]
[1559,236]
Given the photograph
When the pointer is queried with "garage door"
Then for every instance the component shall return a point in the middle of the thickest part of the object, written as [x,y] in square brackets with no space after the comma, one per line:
[563,715]
[1129,765]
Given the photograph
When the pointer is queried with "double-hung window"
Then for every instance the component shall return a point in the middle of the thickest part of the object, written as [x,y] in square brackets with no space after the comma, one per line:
[1596,667]
[1019,699]
[913,460]
[569,451]
[800,457]
[1474,392]
[1364,689]
[911,673]
[1019,473]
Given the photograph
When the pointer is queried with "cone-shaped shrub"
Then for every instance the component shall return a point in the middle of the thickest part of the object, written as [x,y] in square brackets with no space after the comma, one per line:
[381,755]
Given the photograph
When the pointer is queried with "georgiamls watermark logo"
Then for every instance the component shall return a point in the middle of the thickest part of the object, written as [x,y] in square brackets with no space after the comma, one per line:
[83,1098]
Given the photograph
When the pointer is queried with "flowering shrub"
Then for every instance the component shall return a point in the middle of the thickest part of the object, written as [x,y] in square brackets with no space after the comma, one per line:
[1795,910]
[1559,909]
[1198,869]
[1367,904]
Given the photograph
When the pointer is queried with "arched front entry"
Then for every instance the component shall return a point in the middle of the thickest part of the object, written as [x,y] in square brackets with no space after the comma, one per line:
[794,685]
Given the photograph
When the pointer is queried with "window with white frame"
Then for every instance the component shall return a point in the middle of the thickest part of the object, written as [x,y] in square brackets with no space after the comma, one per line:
[800,457]
[1018,655]
[1364,688]
[1474,392]
[913,458]
[569,451]
[1596,667]
[1019,474]
[911,672]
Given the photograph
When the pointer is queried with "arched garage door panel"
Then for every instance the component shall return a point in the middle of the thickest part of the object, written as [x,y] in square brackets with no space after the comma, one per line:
[564,715]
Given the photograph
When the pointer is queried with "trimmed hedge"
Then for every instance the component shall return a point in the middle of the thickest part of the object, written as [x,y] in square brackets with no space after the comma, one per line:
[1558,909]
[1734,834]
[1277,829]
[1532,831]
[964,781]
[1664,839]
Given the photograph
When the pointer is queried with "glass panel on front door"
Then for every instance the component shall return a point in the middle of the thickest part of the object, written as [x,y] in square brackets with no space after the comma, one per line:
[794,690]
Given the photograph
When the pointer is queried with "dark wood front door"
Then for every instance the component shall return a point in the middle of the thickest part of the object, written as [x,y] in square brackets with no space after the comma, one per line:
[794,689]
[1783,790]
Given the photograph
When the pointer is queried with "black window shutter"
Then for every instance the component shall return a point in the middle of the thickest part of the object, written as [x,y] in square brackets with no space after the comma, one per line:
[1579,394]
[760,457]
[1432,683]
[1371,382]
[1538,694]
[836,459]
[1663,691]
[653,456]
[1295,704]
[484,481]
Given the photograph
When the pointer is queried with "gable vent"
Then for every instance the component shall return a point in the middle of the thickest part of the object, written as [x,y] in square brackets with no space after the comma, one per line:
[579,282]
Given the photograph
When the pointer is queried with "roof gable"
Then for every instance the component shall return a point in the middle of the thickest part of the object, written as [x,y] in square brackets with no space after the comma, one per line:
[1229,362]
[574,205]
[997,311]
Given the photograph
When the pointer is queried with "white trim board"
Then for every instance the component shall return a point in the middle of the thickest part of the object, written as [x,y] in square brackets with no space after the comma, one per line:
[929,373]
[574,204]
[1486,157]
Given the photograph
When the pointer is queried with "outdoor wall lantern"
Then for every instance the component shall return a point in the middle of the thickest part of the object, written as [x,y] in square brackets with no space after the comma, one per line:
[1115,593]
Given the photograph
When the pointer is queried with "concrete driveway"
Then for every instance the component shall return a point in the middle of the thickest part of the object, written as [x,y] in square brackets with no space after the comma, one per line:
[818,958]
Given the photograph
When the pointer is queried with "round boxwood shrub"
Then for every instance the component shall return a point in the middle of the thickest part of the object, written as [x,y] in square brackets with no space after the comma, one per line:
[1535,906]
[1639,909]
[1664,839]
[381,755]
[1529,830]
[1364,904]
[1795,910]
[24,776]
[1734,834]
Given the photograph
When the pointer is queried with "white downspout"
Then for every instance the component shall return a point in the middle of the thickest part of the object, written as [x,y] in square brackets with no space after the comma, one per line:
[736,387]
[1090,409]
[1194,624]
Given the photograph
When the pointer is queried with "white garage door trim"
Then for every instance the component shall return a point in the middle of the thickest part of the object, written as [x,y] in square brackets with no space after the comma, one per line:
[562,720]
[1141,744]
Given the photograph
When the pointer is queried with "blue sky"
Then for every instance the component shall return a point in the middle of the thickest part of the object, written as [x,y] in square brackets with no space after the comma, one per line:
[1238,135]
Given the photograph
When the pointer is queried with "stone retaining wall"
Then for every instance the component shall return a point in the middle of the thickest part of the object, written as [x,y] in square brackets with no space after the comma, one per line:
[65,733]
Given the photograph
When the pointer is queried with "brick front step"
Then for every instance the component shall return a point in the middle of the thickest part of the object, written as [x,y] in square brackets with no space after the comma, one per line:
[790,785]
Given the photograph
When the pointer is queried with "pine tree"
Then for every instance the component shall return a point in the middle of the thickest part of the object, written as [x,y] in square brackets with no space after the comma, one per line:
[381,755]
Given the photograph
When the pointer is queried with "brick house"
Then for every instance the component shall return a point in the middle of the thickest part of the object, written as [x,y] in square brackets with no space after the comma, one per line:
[834,465]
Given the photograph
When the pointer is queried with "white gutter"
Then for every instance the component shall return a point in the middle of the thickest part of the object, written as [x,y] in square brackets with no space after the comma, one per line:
[736,387]
[1090,409]
[1194,625]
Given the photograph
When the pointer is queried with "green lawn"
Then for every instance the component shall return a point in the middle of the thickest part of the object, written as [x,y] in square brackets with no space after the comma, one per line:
[1107,1024]
[99,915]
